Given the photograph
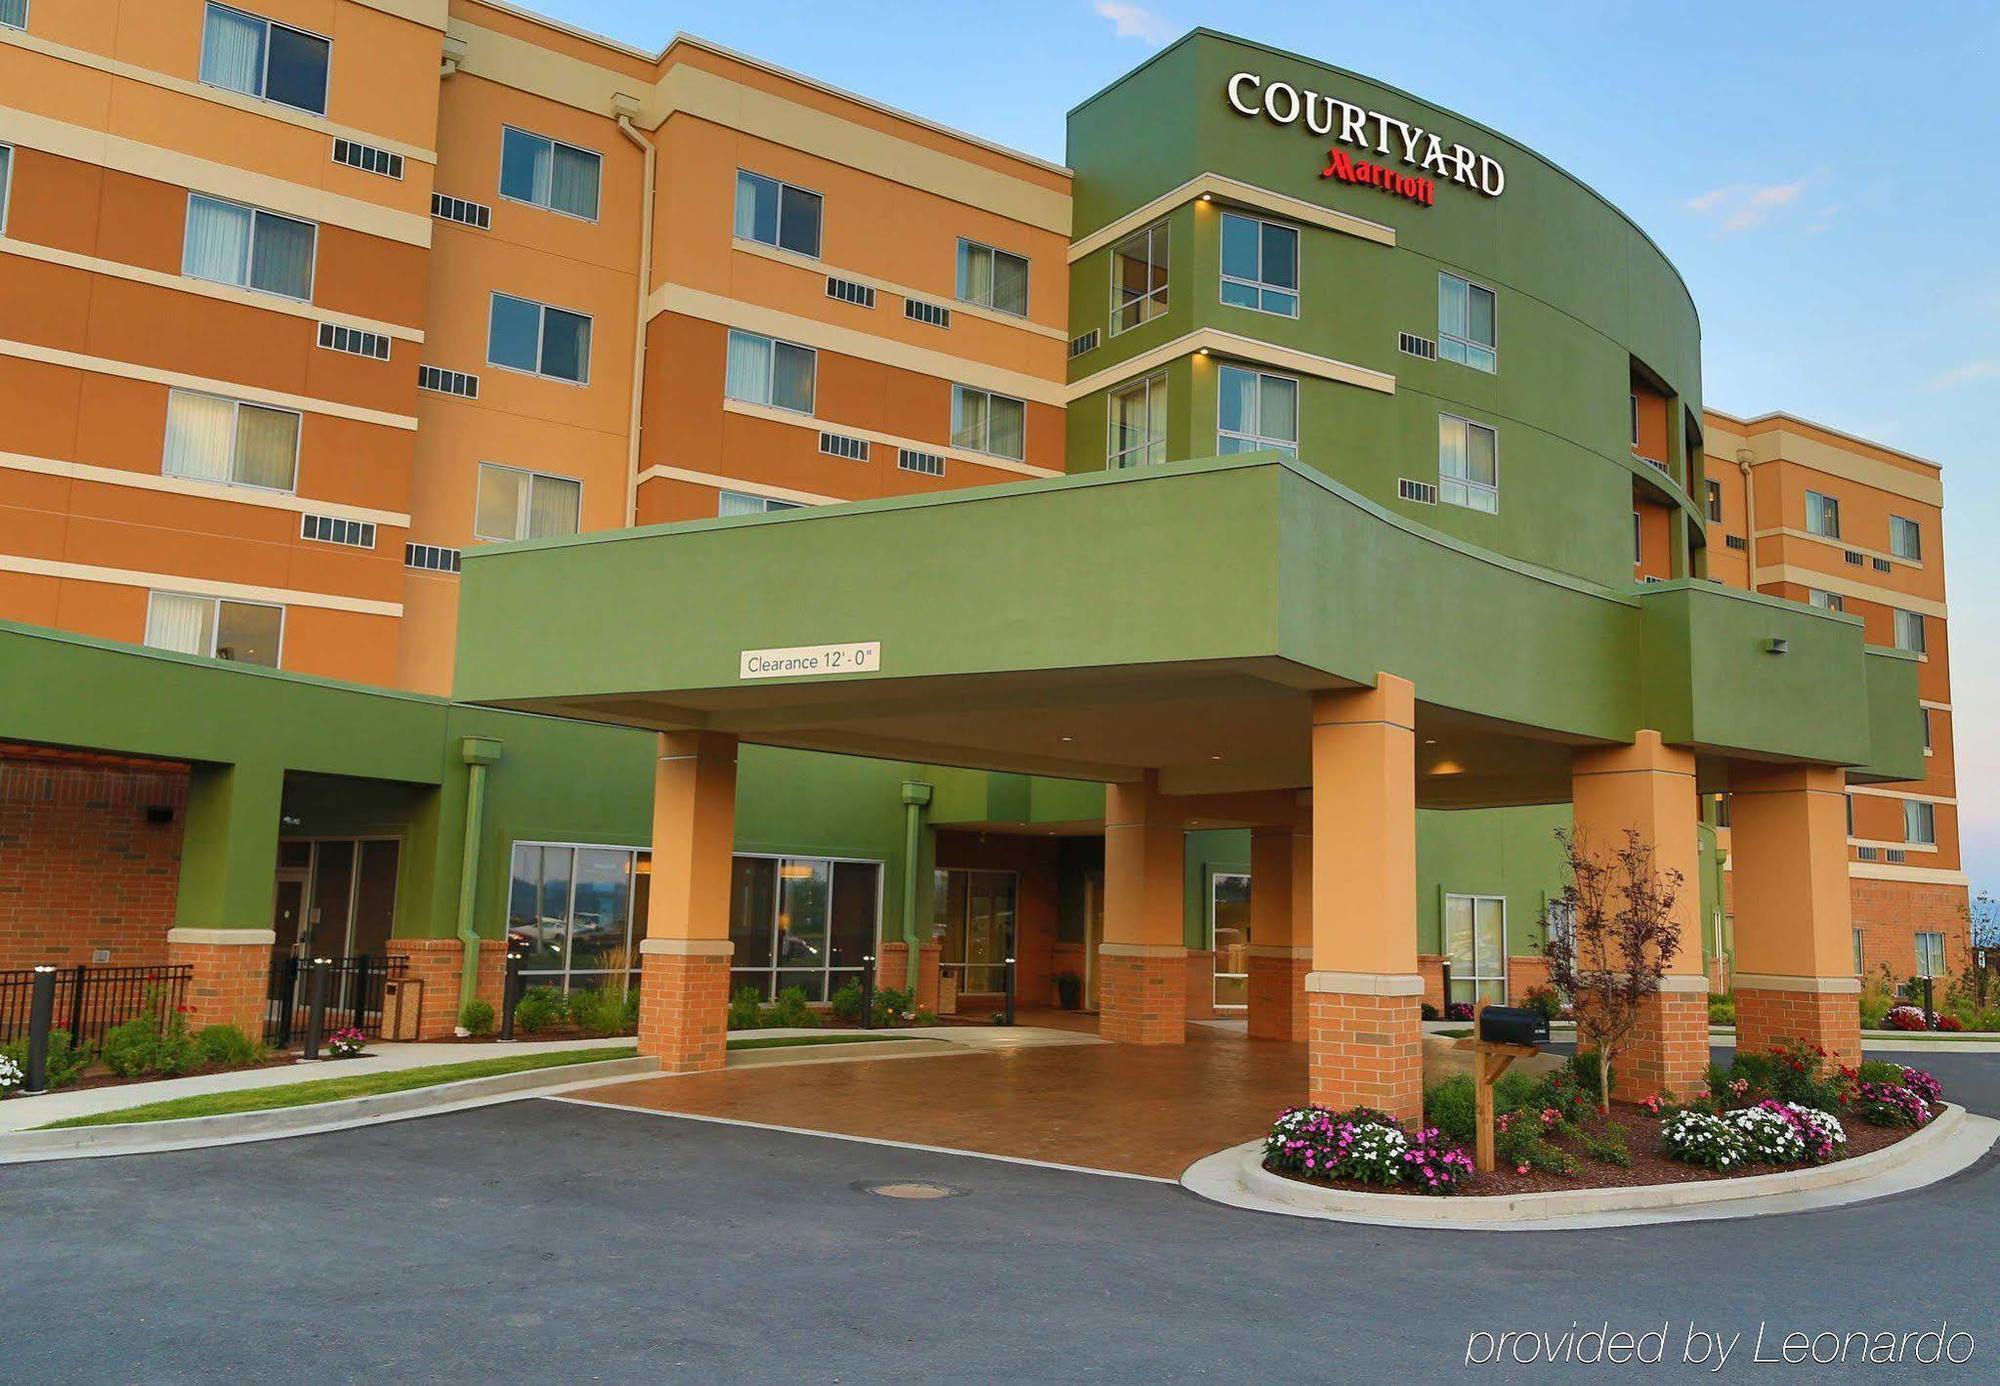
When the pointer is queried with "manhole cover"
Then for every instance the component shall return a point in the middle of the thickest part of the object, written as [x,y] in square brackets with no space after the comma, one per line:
[909,1189]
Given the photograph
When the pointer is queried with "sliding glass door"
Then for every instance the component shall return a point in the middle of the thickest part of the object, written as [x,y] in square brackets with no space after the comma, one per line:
[975,927]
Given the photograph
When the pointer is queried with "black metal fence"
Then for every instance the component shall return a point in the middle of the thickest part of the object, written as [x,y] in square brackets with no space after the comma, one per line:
[91,1000]
[355,989]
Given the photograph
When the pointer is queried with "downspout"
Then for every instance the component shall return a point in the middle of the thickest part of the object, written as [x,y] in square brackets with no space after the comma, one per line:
[1744,457]
[478,752]
[626,107]
[916,798]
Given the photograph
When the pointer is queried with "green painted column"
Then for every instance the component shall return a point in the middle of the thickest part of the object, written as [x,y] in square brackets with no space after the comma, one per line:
[229,846]
[916,888]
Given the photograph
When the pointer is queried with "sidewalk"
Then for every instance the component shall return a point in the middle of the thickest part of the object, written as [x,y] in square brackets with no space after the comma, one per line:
[21,1113]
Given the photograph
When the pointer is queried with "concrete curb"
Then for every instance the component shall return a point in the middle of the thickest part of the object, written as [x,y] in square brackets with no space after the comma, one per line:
[194,1133]
[1952,1142]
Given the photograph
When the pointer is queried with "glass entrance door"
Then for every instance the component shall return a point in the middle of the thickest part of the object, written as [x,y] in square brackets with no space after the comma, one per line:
[1475,944]
[1229,936]
[976,918]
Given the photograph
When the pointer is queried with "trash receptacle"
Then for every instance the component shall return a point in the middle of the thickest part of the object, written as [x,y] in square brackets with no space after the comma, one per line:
[402,1008]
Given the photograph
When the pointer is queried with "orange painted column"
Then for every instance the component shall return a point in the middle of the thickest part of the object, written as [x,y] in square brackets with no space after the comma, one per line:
[1649,787]
[1363,996]
[1794,917]
[1142,973]
[684,981]
[1280,931]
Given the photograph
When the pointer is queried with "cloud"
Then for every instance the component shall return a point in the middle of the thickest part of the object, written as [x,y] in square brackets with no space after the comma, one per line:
[1741,207]
[1967,374]
[1134,21]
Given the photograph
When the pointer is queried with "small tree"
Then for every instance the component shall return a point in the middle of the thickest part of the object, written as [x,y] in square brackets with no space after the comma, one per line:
[1618,940]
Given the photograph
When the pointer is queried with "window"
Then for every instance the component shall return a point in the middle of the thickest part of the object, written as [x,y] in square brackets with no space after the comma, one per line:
[762,370]
[6,181]
[1860,967]
[930,314]
[989,423]
[367,158]
[742,503]
[1722,810]
[438,380]
[777,214]
[1847,802]
[526,336]
[1822,515]
[1906,538]
[1634,398]
[517,504]
[1930,954]
[250,54]
[1138,419]
[973,921]
[570,910]
[802,922]
[14,14]
[1229,936]
[1910,631]
[1422,492]
[1925,713]
[228,243]
[1469,466]
[1638,539]
[474,214]
[1139,278]
[353,341]
[1466,330]
[1475,947]
[844,445]
[1255,412]
[1825,601]
[1714,501]
[923,463]
[1085,341]
[850,291]
[431,558]
[1260,265]
[992,278]
[333,529]
[1920,822]
[228,441]
[1410,344]
[547,173]
[243,632]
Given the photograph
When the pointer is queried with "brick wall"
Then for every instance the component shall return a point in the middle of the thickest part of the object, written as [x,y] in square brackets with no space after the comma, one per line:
[683,1010]
[435,962]
[1890,914]
[1524,973]
[80,867]
[1430,966]
[1366,1051]
[1142,999]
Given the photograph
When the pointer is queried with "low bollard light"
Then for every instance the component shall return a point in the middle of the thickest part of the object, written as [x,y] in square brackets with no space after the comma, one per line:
[41,1015]
[510,996]
[316,1012]
[1010,991]
[868,991]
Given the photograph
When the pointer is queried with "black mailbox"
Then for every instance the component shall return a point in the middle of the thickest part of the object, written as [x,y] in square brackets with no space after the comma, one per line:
[1512,1025]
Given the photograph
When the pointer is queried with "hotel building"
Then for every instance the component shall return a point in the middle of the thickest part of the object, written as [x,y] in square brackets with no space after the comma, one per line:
[463,479]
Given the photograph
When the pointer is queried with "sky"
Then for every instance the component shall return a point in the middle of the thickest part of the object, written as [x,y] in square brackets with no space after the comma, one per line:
[1816,171]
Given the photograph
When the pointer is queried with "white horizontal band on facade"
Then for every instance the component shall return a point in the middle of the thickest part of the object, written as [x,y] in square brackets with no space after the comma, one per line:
[1930,706]
[944,298]
[848,341]
[730,483]
[1787,532]
[1364,984]
[115,152]
[1886,845]
[243,938]
[1229,190]
[226,293]
[432,14]
[1721,444]
[1916,875]
[204,490]
[1878,792]
[1229,346]
[813,423]
[220,96]
[194,586]
[1847,587]
[1775,981]
[104,365]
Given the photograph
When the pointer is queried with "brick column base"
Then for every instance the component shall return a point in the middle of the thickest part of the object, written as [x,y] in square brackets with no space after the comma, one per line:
[892,966]
[684,1005]
[1200,984]
[1278,995]
[1142,997]
[1767,1016]
[1430,966]
[232,975]
[1667,1051]
[1366,1051]
[435,962]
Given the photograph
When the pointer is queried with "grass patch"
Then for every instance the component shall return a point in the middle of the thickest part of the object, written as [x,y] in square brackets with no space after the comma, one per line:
[1454,1034]
[792,1041]
[335,1089]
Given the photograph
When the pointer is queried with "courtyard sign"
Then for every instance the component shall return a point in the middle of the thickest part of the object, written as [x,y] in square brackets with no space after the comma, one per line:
[812,661]
[1281,102]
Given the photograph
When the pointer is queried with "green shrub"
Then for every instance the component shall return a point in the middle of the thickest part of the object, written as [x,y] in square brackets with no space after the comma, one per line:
[1608,1147]
[1879,1071]
[601,1011]
[1521,1141]
[540,1009]
[143,1047]
[1722,1010]
[1798,1074]
[746,1009]
[1544,1001]
[845,1002]
[792,1011]
[225,1046]
[64,1064]
[1878,995]
[631,1020]
[1428,1011]
[1452,1107]
[477,1017]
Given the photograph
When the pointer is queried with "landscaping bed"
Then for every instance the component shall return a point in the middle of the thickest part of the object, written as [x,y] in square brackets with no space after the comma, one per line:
[1765,1113]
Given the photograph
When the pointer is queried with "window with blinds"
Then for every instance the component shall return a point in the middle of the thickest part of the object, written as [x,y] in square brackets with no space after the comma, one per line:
[231,442]
[550,174]
[228,243]
[514,503]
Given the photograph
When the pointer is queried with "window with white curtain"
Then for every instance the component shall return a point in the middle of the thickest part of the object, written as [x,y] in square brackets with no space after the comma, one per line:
[226,440]
[992,278]
[1920,822]
[6,180]
[774,213]
[989,423]
[1256,412]
[1138,419]
[248,53]
[1910,631]
[1930,954]
[242,632]
[523,335]
[1468,464]
[1466,329]
[1906,538]
[514,503]
[1822,515]
[762,370]
[14,13]
[743,503]
[1826,601]
[228,243]
[548,173]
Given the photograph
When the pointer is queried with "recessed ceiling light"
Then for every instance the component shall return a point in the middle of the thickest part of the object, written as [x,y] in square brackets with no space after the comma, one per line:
[1430,741]
[1065,738]
[1215,757]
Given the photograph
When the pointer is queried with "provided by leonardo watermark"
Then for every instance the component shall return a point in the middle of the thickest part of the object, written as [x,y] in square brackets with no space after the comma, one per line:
[1718,1348]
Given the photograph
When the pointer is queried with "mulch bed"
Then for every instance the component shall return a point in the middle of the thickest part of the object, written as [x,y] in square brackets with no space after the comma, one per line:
[1642,1138]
